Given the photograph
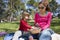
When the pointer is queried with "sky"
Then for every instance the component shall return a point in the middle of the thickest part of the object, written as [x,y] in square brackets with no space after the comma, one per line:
[58,1]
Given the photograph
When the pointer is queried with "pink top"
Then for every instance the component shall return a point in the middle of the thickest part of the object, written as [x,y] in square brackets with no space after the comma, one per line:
[43,21]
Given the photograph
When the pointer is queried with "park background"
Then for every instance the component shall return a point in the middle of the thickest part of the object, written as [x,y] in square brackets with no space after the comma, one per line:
[11,10]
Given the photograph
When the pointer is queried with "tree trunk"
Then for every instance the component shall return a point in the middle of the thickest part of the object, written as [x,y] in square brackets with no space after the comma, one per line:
[11,17]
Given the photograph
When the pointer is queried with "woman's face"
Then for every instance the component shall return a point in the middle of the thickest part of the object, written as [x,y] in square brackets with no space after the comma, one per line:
[41,8]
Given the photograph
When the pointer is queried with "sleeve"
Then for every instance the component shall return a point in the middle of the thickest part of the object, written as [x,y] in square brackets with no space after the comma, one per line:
[26,25]
[48,22]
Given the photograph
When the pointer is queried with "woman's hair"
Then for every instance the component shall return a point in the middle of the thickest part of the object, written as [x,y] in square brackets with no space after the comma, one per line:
[40,3]
[25,14]
[47,7]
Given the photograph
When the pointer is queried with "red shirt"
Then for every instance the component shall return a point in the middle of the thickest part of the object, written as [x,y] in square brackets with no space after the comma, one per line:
[24,26]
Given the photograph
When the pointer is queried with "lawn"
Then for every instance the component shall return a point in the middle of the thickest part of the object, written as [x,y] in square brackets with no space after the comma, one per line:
[13,26]
[8,27]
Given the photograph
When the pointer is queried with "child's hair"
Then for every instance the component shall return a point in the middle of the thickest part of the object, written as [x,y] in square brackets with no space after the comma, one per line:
[25,14]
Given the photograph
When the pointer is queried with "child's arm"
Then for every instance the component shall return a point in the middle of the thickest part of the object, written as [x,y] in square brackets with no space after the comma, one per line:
[26,25]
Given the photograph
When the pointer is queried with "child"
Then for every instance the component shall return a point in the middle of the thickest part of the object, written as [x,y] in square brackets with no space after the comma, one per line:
[24,28]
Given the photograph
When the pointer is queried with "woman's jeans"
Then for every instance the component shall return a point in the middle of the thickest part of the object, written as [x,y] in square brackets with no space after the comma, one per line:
[46,34]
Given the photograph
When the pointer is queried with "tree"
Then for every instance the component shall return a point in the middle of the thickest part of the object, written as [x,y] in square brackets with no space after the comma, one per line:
[14,5]
[35,4]
[31,2]
[53,5]
[1,10]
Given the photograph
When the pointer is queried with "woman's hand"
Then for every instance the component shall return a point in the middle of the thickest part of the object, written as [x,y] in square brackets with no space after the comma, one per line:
[29,30]
[37,25]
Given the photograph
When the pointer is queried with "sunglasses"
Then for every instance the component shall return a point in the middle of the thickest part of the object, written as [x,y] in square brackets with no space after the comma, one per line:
[41,7]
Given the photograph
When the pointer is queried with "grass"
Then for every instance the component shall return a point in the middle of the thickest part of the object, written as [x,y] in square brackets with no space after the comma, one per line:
[12,27]
[1,38]
[8,27]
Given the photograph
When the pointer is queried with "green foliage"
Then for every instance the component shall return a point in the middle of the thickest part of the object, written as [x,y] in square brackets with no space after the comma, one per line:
[36,4]
[31,2]
[53,5]
[1,10]
[9,26]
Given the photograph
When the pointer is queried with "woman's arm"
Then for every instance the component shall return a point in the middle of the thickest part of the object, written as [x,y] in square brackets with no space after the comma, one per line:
[35,20]
[48,22]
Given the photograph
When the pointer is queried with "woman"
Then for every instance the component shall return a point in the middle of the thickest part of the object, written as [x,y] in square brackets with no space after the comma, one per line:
[43,20]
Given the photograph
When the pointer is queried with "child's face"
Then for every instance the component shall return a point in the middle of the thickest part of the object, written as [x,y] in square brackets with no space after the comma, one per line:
[26,17]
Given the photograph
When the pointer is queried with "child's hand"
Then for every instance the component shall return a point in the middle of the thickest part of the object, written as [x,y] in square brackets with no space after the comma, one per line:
[29,30]
[34,27]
